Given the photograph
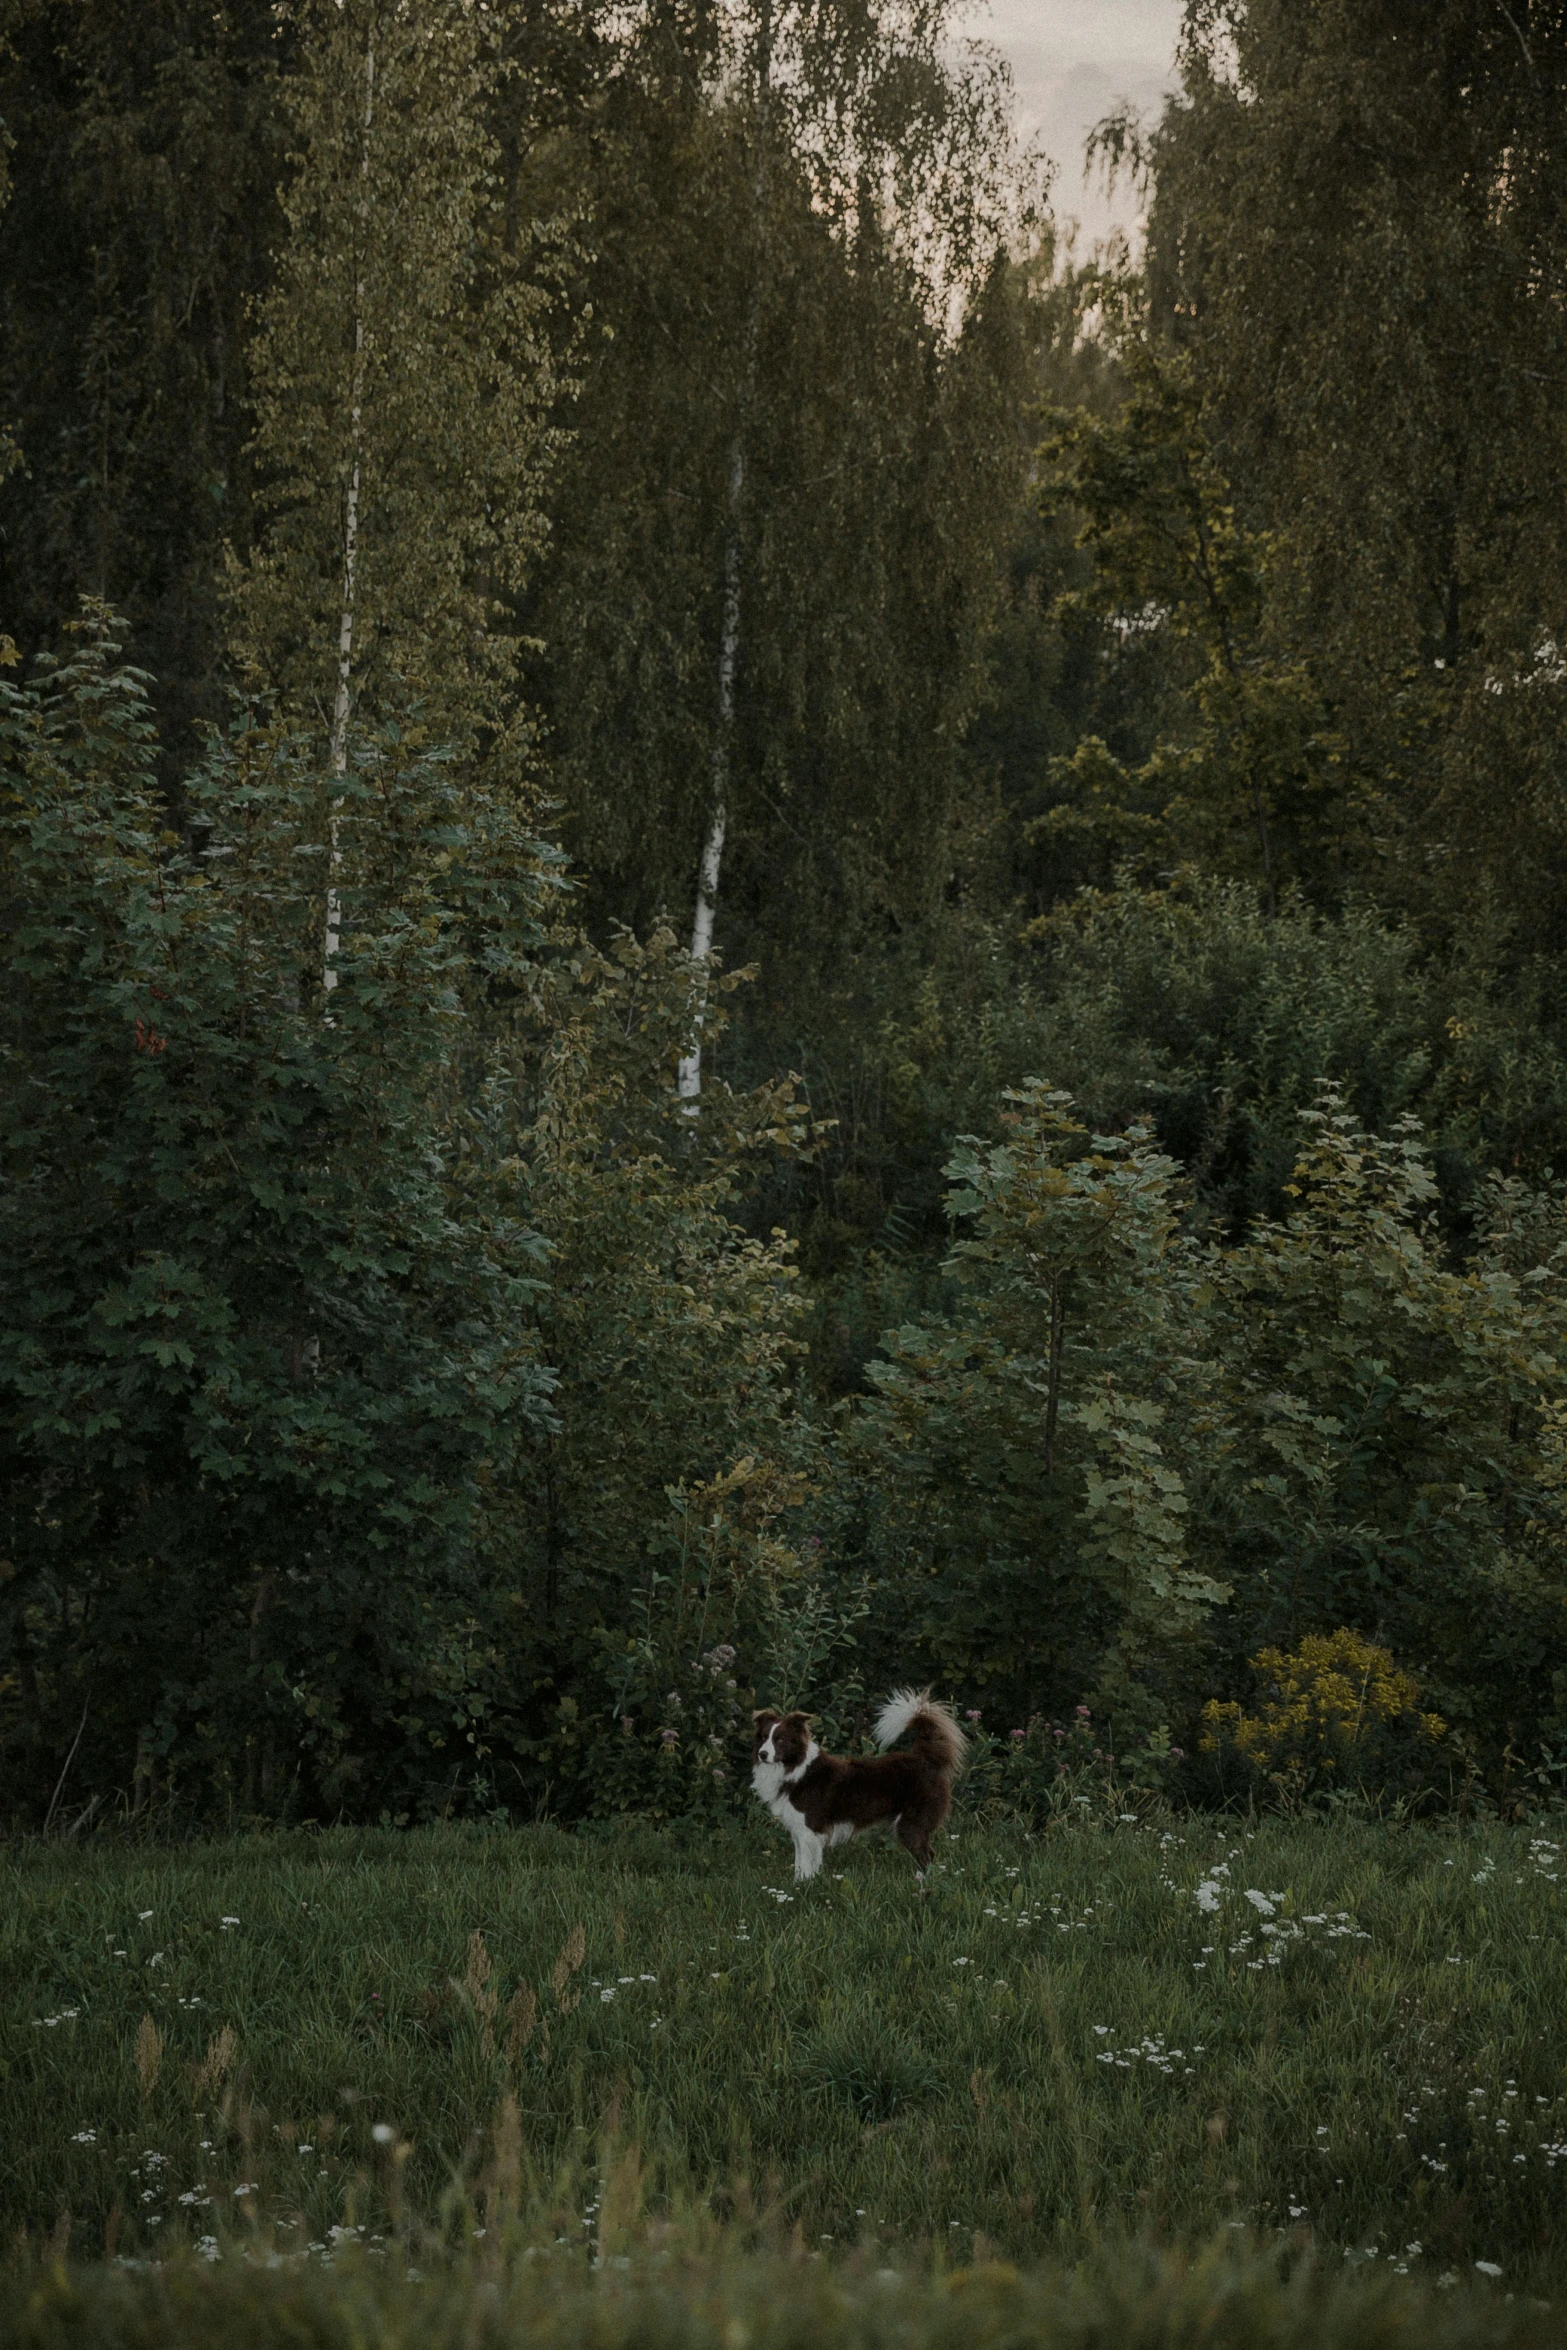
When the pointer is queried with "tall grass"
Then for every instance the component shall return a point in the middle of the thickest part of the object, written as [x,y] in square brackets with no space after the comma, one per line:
[1222,2298]
[1330,2031]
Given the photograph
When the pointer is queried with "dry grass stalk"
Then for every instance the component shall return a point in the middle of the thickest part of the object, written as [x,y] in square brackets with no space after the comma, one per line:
[522,2014]
[502,2184]
[573,1951]
[149,2054]
[208,2076]
[475,1989]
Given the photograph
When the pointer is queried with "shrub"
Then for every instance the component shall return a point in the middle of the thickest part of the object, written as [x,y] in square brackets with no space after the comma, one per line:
[390,1403]
[1336,1712]
[1036,1517]
[1048,1770]
[1128,1457]
[662,1514]
[263,1367]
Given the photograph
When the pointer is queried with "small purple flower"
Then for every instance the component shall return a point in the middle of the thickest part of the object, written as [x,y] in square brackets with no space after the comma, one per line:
[1082,1713]
[625,1725]
[670,1737]
[972,1715]
[1019,1736]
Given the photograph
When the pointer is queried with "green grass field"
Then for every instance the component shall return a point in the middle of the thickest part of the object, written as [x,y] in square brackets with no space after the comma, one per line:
[1172,2032]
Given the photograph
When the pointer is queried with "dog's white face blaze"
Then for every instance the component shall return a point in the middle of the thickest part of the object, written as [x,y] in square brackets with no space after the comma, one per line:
[767,1771]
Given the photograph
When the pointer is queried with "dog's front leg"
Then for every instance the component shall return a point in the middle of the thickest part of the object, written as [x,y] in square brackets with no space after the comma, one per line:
[808,1850]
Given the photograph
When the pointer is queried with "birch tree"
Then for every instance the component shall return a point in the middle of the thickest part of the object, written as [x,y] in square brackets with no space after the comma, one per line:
[403,382]
[710,870]
[883,135]
[779,523]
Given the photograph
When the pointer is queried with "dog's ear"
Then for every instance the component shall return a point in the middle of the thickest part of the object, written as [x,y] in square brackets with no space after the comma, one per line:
[804,1719]
[766,1713]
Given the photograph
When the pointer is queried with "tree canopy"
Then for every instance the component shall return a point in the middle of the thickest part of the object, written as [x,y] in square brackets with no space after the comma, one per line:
[763,936]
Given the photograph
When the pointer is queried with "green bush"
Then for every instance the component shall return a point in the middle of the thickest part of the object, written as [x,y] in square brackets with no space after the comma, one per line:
[1130,1457]
[390,1402]
[263,1367]
[1186,1006]
[663,1516]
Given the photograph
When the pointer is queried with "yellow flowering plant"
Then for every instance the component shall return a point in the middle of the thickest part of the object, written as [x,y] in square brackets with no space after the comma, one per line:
[1337,1711]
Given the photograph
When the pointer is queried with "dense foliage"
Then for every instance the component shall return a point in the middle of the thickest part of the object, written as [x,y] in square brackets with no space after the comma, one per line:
[265,1356]
[1356,241]
[457,1340]
[1129,1452]
[145,145]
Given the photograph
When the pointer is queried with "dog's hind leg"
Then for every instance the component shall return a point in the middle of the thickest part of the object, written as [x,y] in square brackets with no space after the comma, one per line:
[914,1836]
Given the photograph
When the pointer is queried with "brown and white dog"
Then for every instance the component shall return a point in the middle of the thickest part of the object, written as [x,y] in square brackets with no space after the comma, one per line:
[823,1799]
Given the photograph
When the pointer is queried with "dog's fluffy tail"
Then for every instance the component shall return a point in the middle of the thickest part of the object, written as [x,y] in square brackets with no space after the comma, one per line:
[936,1735]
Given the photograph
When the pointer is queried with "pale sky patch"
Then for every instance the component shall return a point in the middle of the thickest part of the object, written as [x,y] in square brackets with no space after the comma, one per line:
[1073,61]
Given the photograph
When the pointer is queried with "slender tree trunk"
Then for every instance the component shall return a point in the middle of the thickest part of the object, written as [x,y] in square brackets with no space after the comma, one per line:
[59,1785]
[690,1079]
[1228,655]
[342,702]
[1260,811]
[1053,1376]
[690,1072]
[265,1587]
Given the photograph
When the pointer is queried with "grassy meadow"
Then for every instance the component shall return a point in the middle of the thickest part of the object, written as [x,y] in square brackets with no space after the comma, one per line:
[365,2048]
[1131,2025]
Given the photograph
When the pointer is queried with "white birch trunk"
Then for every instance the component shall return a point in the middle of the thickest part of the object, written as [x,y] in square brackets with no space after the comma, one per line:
[690,1073]
[342,700]
[689,1079]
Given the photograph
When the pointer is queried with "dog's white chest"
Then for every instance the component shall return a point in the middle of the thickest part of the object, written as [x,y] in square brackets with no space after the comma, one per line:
[772,1779]
[768,1780]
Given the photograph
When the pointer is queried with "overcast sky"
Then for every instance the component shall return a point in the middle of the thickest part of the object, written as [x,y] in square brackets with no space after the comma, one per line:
[1072,60]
